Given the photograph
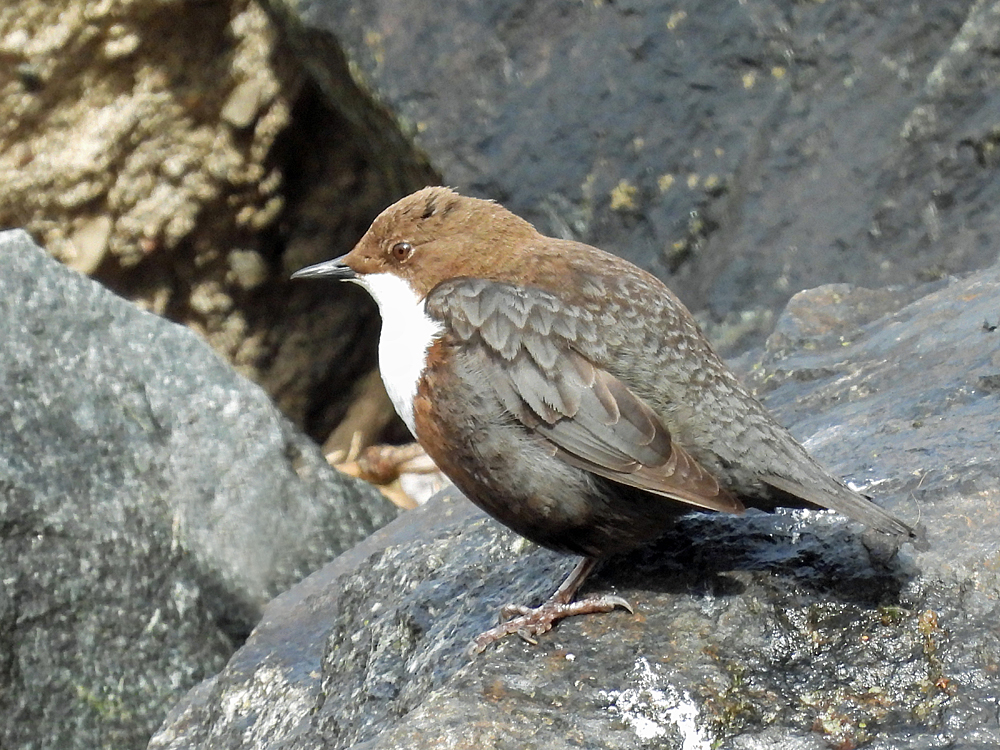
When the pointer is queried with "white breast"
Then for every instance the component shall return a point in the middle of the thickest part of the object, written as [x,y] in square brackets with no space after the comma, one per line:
[407,333]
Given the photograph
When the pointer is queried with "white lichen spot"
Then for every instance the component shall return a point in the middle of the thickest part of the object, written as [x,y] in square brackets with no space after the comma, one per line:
[273,702]
[652,706]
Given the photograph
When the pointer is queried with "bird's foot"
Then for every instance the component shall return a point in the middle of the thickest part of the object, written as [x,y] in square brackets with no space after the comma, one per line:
[530,622]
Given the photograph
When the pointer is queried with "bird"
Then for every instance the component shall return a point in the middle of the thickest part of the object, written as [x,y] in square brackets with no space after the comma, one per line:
[567,392]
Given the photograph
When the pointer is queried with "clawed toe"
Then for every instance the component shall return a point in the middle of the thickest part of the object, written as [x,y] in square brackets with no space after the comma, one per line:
[510,611]
[616,601]
[529,623]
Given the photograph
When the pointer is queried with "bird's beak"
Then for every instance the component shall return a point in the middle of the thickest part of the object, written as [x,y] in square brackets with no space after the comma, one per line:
[335,269]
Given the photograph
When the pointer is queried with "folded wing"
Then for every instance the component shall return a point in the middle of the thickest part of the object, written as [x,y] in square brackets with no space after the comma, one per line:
[527,343]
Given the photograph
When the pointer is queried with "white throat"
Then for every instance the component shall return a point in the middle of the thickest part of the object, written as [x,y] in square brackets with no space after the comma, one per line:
[407,333]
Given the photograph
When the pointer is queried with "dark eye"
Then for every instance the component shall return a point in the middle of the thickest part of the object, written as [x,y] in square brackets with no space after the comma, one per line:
[402,250]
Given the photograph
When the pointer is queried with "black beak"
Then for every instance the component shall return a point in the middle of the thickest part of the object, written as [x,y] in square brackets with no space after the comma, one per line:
[333,269]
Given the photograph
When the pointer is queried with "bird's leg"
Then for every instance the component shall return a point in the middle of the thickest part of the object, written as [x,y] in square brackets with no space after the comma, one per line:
[529,622]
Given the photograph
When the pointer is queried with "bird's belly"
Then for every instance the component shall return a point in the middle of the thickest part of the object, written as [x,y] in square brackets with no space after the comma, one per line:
[515,475]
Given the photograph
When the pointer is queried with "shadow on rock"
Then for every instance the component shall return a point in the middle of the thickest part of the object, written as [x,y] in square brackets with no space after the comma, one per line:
[815,552]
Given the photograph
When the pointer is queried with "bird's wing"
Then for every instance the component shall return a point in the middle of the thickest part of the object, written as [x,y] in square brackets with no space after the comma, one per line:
[525,343]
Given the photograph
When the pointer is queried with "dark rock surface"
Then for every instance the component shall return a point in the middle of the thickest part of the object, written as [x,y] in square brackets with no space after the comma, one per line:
[747,149]
[151,502]
[796,630]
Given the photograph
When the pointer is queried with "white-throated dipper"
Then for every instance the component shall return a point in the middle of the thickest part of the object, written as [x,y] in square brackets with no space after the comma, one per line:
[565,391]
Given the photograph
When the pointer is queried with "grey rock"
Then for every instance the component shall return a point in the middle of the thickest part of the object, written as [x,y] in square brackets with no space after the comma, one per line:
[151,502]
[793,630]
[747,150]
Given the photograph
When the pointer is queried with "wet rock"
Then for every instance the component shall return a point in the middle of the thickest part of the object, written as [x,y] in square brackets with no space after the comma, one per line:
[151,502]
[794,630]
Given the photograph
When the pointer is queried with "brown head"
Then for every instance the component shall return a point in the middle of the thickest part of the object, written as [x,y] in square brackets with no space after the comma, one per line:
[432,235]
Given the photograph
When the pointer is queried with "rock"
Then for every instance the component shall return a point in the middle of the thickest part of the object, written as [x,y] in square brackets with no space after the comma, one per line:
[126,165]
[748,150]
[178,152]
[794,630]
[151,502]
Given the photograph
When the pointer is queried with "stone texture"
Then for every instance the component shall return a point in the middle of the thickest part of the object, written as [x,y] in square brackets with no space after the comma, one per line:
[747,150]
[795,630]
[177,152]
[151,502]
[123,120]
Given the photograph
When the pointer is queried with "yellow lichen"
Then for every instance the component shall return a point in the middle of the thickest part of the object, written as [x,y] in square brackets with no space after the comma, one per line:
[623,196]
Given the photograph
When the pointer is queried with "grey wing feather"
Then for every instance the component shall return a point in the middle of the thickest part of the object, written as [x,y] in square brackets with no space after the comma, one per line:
[523,339]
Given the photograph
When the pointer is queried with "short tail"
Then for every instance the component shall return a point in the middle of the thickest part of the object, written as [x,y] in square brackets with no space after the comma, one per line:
[852,504]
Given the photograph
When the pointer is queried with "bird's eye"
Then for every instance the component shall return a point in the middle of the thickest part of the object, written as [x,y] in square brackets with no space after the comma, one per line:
[402,250]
